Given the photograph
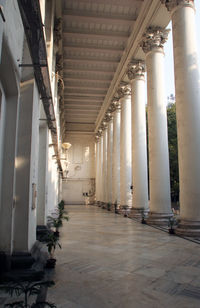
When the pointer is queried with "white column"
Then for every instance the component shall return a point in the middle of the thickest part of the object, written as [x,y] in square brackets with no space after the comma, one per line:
[160,200]
[125,146]
[109,158]
[116,154]
[139,142]
[100,166]
[187,86]
[104,165]
[97,166]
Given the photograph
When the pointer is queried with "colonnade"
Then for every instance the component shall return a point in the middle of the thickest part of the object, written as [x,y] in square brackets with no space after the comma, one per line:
[128,147]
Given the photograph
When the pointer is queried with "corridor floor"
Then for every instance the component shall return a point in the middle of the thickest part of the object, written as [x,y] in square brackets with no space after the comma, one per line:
[107,260]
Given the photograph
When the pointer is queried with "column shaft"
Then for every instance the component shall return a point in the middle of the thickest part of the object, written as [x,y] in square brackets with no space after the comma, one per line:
[187,86]
[97,169]
[109,160]
[158,139]
[116,157]
[101,169]
[159,176]
[139,144]
[125,153]
[104,165]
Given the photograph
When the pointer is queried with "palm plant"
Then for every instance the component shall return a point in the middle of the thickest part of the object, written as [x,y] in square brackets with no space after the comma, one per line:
[27,288]
[52,243]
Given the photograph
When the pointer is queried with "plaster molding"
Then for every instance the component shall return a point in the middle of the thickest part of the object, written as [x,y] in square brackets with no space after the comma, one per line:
[154,37]
[136,69]
[173,4]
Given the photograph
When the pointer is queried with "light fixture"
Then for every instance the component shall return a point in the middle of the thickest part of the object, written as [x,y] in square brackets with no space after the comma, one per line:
[66,145]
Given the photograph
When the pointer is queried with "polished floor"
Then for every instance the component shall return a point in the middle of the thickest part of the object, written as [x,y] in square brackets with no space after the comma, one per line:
[107,260]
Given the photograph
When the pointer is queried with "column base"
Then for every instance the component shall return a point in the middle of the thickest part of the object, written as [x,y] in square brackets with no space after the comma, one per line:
[188,228]
[104,205]
[124,210]
[138,213]
[158,219]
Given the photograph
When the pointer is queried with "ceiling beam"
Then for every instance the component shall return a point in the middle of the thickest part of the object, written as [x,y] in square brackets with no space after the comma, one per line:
[89,69]
[86,79]
[101,17]
[81,86]
[84,91]
[92,46]
[83,107]
[85,84]
[82,36]
[83,98]
[95,33]
[98,58]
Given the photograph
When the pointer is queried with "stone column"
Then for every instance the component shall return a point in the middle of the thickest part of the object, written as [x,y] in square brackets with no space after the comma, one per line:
[160,200]
[116,153]
[100,167]
[187,87]
[109,157]
[125,147]
[97,188]
[139,139]
[104,164]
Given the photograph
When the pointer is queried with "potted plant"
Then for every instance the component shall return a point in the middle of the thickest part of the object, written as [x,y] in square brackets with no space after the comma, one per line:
[52,243]
[55,222]
[27,288]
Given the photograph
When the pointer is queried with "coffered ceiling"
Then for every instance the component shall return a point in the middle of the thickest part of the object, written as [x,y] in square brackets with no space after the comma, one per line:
[98,38]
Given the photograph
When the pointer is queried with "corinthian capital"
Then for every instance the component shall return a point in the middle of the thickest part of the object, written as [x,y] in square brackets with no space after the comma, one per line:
[124,89]
[172,4]
[99,133]
[136,69]
[154,37]
[108,116]
[116,105]
[97,137]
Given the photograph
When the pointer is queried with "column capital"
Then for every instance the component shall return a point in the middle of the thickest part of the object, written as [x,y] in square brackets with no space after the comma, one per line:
[97,137]
[173,4]
[136,69]
[124,89]
[99,133]
[104,125]
[116,105]
[108,116]
[154,38]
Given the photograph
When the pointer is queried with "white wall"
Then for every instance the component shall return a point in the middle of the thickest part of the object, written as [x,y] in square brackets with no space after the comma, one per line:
[80,178]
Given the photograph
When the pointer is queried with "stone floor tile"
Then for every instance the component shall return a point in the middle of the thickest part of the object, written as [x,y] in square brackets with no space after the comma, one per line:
[108,261]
